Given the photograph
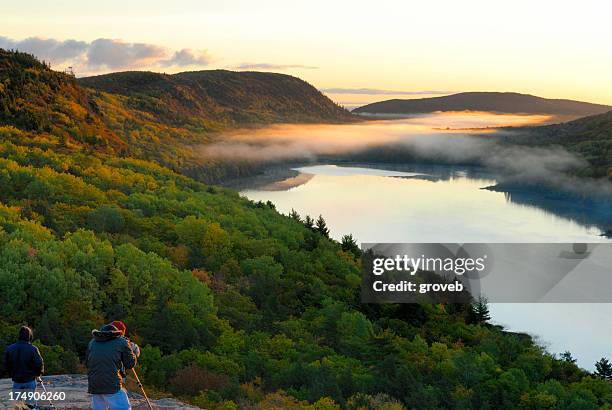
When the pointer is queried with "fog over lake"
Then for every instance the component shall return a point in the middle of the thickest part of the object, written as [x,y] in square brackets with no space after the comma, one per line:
[419,202]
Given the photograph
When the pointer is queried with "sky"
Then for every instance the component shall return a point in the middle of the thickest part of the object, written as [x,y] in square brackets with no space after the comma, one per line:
[356,51]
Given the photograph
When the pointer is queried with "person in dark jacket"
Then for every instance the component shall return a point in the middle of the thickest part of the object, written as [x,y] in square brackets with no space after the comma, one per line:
[108,354]
[23,362]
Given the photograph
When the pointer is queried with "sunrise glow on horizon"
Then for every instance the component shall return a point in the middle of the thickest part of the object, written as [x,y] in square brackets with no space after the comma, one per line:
[550,49]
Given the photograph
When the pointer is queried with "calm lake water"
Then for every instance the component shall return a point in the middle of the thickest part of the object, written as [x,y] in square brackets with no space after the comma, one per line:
[426,203]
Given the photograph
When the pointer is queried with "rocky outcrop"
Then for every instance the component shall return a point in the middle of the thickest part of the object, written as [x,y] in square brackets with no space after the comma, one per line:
[75,388]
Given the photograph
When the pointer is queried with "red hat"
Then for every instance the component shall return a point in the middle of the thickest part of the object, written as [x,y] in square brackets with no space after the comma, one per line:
[120,326]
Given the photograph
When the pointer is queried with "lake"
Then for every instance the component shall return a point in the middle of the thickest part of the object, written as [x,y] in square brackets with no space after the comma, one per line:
[442,203]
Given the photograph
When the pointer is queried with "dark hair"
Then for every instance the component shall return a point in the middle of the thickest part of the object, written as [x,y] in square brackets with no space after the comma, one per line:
[26,334]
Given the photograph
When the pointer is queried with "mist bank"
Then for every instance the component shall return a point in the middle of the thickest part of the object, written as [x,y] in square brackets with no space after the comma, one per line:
[459,139]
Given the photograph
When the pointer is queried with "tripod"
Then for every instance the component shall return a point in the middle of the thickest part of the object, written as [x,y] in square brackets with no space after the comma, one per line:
[42,384]
[143,390]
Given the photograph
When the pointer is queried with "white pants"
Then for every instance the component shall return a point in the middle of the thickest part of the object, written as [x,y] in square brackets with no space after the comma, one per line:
[116,401]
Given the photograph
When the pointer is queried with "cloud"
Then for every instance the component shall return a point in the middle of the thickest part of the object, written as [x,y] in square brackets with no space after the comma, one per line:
[269,66]
[48,49]
[375,91]
[106,54]
[187,57]
[116,54]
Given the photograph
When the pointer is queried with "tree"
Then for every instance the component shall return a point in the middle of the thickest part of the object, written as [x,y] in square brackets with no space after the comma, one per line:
[349,244]
[479,311]
[379,401]
[321,226]
[216,246]
[603,369]
[191,230]
[264,276]
[567,357]
[106,219]
[309,222]
[294,215]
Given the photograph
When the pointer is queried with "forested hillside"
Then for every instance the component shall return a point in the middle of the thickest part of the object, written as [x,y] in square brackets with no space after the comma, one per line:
[234,304]
[154,116]
[221,98]
[35,98]
[591,137]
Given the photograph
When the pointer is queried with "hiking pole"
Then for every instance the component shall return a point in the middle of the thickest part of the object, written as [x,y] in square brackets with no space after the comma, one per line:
[142,388]
[42,384]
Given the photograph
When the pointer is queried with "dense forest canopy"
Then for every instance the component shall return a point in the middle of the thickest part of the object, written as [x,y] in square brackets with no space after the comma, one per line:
[234,304]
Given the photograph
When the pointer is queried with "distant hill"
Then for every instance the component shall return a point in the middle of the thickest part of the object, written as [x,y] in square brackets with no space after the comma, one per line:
[485,101]
[37,99]
[591,137]
[149,115]
[220,97]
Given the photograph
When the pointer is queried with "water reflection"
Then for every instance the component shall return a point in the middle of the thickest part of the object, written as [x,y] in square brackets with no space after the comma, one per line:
[587,211]
[458,193]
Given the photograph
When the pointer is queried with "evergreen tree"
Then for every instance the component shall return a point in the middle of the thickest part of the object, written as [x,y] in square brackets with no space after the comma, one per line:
[294,215]
[309,222]
[479,311]
[349,244]
[321,226]
[603,369]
